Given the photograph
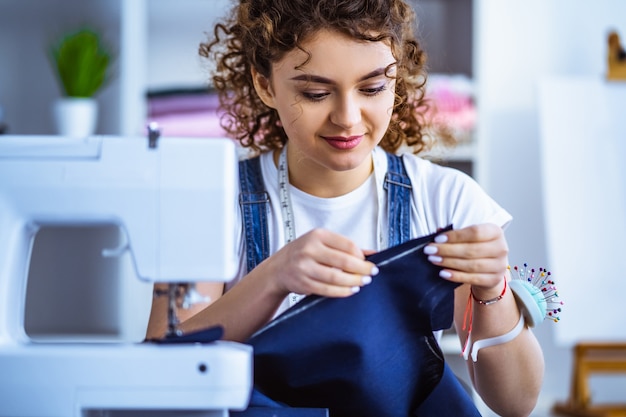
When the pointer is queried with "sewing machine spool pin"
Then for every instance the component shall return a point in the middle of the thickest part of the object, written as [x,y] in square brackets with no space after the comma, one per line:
[154,133]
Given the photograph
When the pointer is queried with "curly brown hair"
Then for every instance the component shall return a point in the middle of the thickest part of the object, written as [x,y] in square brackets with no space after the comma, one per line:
[260,32]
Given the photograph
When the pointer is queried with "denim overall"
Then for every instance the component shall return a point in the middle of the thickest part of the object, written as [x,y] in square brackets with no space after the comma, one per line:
[444,397]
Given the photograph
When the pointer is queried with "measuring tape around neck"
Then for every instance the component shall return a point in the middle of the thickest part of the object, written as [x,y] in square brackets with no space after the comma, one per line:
[289,224]
[285,198]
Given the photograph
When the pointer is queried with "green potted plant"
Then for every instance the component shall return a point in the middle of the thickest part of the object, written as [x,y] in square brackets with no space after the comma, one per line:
[82,65]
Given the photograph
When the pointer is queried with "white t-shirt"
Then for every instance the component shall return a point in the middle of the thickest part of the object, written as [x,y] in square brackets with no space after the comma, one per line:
[440,196]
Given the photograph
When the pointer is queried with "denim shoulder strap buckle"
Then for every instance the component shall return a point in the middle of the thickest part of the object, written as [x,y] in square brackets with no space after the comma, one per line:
[398,186]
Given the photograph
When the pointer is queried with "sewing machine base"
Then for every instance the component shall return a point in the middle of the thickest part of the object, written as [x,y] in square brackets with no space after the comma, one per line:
[155,413]
[83,380]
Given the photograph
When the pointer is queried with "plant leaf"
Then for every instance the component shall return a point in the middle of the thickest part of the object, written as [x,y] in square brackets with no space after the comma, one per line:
[82,63]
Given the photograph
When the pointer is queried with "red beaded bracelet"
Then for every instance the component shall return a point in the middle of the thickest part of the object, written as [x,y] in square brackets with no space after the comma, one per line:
[491,300]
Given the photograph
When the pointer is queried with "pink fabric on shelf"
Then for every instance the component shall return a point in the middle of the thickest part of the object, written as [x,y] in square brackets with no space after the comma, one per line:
[190,124]
[454,102]
[182,103]
[186,113]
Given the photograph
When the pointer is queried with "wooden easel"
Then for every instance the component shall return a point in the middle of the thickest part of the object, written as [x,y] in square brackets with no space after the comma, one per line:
[593,358]
[616,61]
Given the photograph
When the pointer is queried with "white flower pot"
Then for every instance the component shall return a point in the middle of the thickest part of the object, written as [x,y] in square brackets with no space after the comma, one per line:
[76,117]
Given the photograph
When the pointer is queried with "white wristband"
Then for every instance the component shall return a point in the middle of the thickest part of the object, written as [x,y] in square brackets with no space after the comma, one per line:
[492,341]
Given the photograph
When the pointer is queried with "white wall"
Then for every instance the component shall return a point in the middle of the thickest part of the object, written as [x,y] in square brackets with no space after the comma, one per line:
[175,30]
[517,43]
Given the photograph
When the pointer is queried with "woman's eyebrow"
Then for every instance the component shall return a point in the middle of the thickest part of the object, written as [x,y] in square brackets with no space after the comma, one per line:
[323,80]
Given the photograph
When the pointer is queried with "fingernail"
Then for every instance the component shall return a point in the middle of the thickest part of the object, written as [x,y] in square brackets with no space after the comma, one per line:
[435,259]
[374,271]
[430,250]
[445,274]
[441,238]
[355,289]
[366,280]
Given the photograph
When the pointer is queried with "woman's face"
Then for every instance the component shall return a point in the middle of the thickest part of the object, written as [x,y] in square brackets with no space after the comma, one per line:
[336,107]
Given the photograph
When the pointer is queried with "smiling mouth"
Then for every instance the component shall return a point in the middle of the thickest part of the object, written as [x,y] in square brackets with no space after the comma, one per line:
[343,138]
[343,142]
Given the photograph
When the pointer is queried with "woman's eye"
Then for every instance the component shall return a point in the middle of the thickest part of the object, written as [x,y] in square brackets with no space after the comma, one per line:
[313,96]
[374,90]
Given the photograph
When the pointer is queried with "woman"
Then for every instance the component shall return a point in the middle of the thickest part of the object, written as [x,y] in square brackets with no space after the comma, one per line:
[321,89]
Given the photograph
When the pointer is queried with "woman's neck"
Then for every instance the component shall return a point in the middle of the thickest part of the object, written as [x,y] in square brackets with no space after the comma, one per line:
[324,182]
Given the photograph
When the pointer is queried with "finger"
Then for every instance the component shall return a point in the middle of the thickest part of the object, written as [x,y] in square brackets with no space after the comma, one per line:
[482,272]
[337,242]
[447,253]
[336,277]
[348,264]
[472,259]
[341,253]
[310,274]
[475,233]
[477,271]
[313,278]
[481,243]
[333,291]
[473,265]
[340,283]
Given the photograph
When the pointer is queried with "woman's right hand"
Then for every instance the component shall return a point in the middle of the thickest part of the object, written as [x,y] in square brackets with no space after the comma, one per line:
[320,262]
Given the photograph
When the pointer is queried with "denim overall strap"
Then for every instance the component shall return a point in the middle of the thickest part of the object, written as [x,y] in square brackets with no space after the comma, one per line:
[398,186]
[254,202]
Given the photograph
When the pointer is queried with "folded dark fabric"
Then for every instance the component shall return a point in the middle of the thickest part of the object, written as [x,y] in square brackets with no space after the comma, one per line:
[262,406]
[371,354]
[208,335]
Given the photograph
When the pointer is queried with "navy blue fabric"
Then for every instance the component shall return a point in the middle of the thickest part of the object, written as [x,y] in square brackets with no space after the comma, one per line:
[449,398]
[280,412]
[372,354]
[263,406]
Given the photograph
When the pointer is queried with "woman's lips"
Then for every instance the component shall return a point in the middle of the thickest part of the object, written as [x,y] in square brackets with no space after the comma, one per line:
[343,142]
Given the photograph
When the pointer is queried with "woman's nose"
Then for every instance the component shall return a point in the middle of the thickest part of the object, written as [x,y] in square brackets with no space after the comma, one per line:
[346,113]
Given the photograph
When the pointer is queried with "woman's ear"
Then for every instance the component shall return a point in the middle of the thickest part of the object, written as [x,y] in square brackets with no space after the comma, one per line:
[263,88]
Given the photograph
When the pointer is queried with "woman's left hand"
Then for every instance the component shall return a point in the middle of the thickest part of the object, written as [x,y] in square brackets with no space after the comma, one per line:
[476,255]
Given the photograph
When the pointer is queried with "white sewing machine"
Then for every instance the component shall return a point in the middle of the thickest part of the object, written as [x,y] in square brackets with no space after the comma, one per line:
[80,221]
